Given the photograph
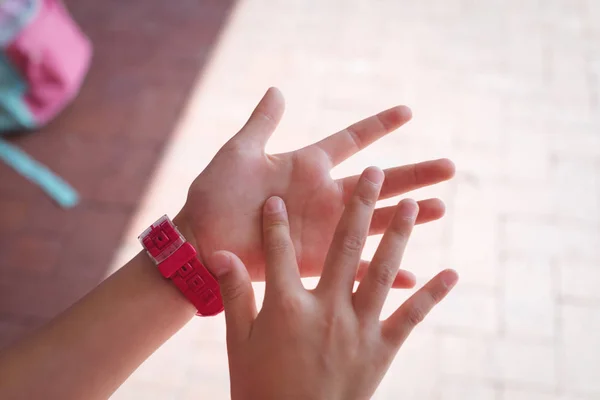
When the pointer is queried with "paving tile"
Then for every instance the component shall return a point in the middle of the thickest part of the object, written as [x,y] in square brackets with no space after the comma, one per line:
[524,363]
[577,190]
[528,395]
[474,248]
[134,390]
[14,186]
[545,239]
[579,280]
[13,330]
[467,309]
[528,304]
[575,139]
[14,214]
[46,218]
[156,110]
[467,357]
[457,389]
[498,360]
[413,372]
[113,172]
[30,255]
[579,350]
[90,254]
[41,298]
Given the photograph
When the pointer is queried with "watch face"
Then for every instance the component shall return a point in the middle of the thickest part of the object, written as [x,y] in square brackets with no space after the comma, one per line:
[161,239]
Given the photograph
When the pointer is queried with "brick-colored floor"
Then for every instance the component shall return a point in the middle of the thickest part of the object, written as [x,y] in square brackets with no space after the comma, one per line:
[509,90]
[147,56]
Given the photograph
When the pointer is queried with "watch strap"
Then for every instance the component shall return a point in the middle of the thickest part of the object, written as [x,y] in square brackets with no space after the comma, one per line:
[177,260]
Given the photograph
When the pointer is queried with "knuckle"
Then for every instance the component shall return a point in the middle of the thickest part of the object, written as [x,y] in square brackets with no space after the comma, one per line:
[241,146]
[352,243]
[276,220]
[400,235]
[290,304]
[278,245]
[415,315]
[435,296]
[266,116]
[276,225]
[402,224]
[232,291]
[365,198]
[354,137]
[366,193]
[414,173]
[385,275]
[233,146]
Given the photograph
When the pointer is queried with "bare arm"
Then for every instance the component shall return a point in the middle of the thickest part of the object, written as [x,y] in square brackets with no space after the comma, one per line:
[89,350]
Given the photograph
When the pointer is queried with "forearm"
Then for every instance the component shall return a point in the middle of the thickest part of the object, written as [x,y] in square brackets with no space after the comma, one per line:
[90,349]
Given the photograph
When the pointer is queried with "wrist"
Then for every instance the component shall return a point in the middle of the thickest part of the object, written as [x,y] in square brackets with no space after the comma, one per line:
[173,247]
[184,226]
[162,288]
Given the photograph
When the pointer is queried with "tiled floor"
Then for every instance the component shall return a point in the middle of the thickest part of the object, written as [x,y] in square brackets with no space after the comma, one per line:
[509,90]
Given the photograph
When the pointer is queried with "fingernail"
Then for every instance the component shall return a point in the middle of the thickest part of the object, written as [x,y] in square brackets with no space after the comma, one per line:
[374,175]
[449,277]
[405,112]
[274,205]
[219,263]
[409,208]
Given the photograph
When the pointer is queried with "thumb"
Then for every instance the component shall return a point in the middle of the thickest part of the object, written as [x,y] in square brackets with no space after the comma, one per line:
[237,293]
[264,119]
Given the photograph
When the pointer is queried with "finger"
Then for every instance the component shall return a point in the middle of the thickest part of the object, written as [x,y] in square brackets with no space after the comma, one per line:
[264,119]
[356,137]
[406,178]
[237,293]
[372,291]
[403,280]
[281,270]
[429,210]
[344,253]
[414,310]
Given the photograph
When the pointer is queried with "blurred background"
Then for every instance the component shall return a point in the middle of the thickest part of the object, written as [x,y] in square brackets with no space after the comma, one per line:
[510,90]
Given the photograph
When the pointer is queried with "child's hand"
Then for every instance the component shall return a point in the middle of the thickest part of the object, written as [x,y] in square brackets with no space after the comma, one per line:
[223,209]
[327,343]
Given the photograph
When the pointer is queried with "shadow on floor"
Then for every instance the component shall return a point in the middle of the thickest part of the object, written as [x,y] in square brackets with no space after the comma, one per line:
[147,55]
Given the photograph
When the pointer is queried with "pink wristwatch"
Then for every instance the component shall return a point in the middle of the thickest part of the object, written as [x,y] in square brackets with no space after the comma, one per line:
[176,260]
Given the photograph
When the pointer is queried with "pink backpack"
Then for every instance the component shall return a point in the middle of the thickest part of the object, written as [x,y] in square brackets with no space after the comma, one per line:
[49,53]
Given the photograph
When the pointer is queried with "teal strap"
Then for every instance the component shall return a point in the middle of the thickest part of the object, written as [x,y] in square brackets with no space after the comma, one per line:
[39,174]
[14,113]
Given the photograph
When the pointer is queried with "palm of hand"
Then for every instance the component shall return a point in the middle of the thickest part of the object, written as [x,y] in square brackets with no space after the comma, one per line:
[224,206]
[232,219]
